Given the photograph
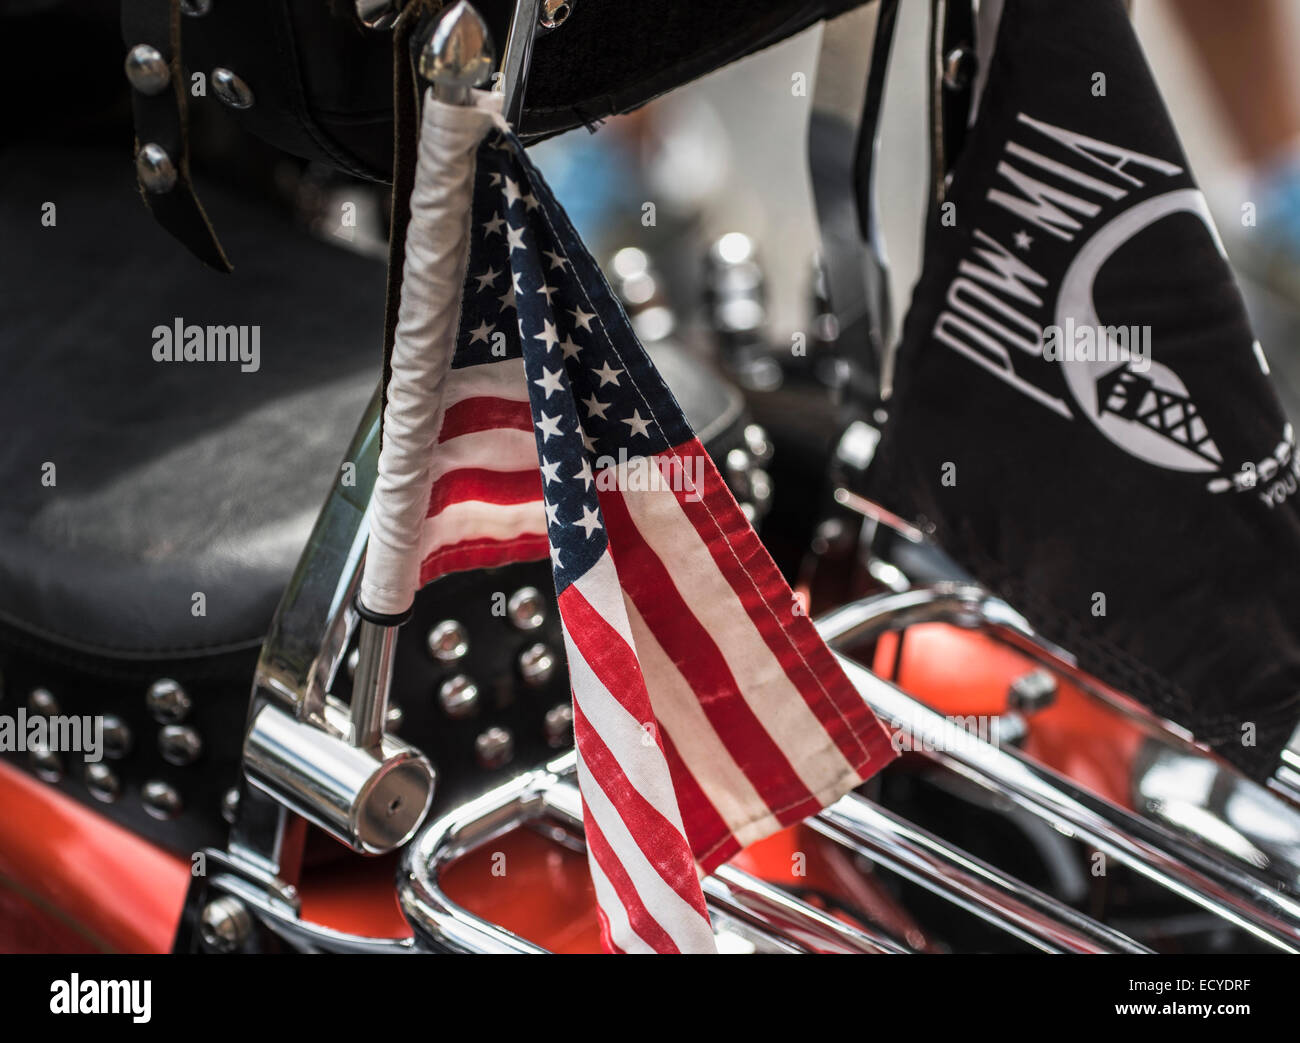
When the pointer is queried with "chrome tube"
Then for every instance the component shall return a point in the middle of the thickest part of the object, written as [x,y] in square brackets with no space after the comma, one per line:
[1001,900]
[959,604]
[1167,859]
[758,904]
[971,607]
[435,919]
[781,921]
[517,58]
[307,639]
[374,676]
[372,799]
[313,622]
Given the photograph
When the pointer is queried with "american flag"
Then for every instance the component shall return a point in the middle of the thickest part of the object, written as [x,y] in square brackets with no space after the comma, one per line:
[707,711]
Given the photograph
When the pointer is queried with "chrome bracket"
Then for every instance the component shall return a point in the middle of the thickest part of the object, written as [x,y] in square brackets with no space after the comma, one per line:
[300,757]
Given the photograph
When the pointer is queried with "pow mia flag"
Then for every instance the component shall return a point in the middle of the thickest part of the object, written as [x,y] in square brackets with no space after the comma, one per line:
[1076,347]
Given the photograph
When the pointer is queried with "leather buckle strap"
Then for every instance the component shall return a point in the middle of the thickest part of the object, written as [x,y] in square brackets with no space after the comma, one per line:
[152,31]
[951,87]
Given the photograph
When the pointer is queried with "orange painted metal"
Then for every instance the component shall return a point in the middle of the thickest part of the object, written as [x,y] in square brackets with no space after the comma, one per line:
[354,894]
[961,672]
[532,886]
[79,876]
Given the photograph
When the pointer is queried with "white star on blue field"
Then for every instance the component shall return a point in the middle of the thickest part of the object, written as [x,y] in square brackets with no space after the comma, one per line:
[532,291]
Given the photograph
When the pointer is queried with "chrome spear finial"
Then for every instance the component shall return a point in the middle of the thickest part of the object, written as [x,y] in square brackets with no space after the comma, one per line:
[459,53]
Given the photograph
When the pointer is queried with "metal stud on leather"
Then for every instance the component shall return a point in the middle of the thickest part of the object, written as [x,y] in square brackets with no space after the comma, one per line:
[152,29]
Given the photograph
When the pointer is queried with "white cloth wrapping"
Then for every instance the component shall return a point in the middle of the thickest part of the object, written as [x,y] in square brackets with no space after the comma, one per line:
[437,250]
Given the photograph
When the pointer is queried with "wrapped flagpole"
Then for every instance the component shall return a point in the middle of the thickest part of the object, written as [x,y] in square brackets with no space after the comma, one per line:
[458,57]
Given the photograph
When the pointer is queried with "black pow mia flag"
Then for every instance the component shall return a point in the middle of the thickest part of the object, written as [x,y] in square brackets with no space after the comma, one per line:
[1082,413]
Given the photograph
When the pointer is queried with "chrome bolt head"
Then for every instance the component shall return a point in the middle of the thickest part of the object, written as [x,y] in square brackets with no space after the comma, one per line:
[47,764]
[230,804]
[537,665]
[494,748]
[459,53]
[758,444]
[161,799]
[41,701]
[167,701]
[1032,692]
[448,641]
[117,737]
[179,744]
[155,169]
[458,697]
[231,90]
[738,465]
[526,608]
[557,726]
[225,925]
[103,783]
[555,13]
[146,69]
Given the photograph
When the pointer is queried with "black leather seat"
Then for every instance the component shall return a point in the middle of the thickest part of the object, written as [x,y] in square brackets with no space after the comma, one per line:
[173,479]
[176,479]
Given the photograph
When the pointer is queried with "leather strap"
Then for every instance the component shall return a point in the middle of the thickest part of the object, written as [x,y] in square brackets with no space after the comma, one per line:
[869,126]
[952,28]
[163,119]
[843,136]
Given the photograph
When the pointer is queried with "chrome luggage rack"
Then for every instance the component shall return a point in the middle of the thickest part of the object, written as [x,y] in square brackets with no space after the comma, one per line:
[1257,895]
[747,912]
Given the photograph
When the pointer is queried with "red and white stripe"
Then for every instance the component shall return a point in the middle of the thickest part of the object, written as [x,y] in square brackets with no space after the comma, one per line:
[485,505]
[708,713]
[636,841]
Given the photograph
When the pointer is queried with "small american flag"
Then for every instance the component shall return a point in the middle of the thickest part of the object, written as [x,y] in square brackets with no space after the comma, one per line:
[707,711]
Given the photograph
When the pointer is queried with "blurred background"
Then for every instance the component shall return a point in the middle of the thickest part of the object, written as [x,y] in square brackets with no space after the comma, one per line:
[727,154]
